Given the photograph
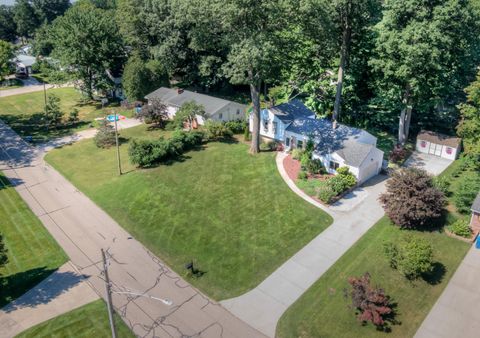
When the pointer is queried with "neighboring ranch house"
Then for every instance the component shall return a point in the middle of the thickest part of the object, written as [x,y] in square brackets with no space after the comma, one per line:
[437,144]
[215,108]
[475,220]
[293,124]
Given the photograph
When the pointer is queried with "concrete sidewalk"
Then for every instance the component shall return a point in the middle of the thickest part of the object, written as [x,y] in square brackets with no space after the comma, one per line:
[63,291]
[82,229]
[29,89]
[457,312]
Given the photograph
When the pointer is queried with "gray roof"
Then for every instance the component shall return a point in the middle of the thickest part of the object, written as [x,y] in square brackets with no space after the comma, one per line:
[289,111]
[173,97]
[476,204]
[343,140]
[26,60]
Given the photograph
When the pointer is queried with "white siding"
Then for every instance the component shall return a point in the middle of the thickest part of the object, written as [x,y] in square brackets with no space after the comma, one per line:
[231,112]
[437,149]
[365,171]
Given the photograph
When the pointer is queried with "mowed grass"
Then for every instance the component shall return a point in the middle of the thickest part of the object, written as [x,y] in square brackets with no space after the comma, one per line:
[323,311]
[88,321]
[33,254]
[227,211]
[24,113]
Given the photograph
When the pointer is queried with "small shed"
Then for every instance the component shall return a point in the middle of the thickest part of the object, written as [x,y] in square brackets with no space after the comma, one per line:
[437,144]
[475,220]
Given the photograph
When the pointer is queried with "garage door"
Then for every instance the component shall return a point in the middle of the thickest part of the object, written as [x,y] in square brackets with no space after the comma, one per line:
[435,149]
[369,171]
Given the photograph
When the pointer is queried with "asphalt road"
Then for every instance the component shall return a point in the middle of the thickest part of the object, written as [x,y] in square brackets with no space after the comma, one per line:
[82,229]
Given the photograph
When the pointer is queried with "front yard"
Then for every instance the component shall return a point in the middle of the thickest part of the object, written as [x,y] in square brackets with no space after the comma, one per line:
[90,320]
[324,310]
[33,254]
[229,212]
[24,113]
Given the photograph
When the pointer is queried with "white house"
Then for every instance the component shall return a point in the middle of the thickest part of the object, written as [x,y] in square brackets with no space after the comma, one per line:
[293,124]
[215,108]
[437,144]
[23,65]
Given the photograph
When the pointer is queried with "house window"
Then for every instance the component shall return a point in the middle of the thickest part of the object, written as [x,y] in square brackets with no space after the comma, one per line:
[423,144]
[274,127]
[449,150]
[238,111]
[299,144]
[287,141]
[334,165]
[265,125]
[220,116]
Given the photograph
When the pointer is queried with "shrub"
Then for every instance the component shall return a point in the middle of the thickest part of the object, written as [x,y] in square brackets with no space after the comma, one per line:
[338,184]
[146,153]
[105,136]
[217,130]
[343,171]
[372,303]
[237,126]
[398,155]
[309,146]
[297,153]
[305,160]
[411,199]
[442,183]
[53,114]
[302,175]
[326,193]
[461,228]
[73,116]
[246,135]
[413,256]
[468,187]
[315,166]
[156,112]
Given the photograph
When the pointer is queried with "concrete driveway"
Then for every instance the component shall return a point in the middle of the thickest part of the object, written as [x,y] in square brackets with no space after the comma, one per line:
[431,163]
[457,312]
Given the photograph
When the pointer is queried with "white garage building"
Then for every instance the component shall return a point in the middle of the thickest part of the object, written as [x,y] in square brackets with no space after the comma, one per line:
[429,142]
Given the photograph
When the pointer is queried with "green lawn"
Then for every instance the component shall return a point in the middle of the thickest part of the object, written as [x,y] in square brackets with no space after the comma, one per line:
[33,254]
[24,113]
[228,211]
[323,311]
[88,321]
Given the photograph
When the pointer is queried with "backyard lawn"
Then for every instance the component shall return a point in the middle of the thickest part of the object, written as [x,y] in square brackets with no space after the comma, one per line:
[90,320]
[33,254]
[24,113]
[228,211]
[323,311]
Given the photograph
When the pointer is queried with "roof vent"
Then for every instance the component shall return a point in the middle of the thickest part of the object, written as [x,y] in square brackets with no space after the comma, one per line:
[179,90]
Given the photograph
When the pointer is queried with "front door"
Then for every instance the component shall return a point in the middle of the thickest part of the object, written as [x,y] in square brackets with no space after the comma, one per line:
[293,142]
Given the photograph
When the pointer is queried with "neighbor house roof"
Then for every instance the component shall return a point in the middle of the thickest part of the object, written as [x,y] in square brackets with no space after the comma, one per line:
[343,140]
[438,138]
[177,98]
[476,204]
[25,60]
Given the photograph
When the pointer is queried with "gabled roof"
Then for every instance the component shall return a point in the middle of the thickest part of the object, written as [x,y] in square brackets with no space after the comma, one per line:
[476,204]
[343,140]
[177,98]
[438,138]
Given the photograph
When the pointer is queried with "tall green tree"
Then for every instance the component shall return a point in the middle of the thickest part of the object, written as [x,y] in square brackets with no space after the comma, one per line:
[3,253]
[253,32]
[352,17]
[469,126]
[131,25]
[48,10]
[6,54]
[8,29]
[426,52]
[141,77]
[25,18]
[86,41]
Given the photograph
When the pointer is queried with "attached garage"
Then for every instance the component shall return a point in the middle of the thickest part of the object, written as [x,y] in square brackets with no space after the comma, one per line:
[429,142]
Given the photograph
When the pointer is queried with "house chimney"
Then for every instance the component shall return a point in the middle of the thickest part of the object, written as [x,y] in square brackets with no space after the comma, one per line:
[334,124]
[179,90]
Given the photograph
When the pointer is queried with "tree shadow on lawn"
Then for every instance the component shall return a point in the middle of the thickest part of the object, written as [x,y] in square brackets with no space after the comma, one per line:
[436,276]
[34,126]
[9,183]
[14,286]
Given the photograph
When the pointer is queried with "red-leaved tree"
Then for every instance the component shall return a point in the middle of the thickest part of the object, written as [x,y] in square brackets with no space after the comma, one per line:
[372,303]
